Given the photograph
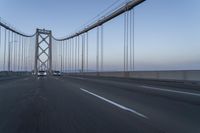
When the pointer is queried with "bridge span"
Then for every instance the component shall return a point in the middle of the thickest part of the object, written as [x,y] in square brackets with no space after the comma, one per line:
[54,85]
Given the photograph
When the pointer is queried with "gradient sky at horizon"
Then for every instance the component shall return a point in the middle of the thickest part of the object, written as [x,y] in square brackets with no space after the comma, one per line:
[167,32]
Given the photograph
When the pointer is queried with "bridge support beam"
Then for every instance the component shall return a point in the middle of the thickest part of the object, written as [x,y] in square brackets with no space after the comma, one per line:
[43,51]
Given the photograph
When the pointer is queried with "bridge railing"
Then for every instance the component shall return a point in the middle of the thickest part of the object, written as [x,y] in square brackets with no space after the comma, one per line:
[176,75]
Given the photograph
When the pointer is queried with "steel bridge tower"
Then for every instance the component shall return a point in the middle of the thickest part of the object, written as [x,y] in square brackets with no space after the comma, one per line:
[43,51]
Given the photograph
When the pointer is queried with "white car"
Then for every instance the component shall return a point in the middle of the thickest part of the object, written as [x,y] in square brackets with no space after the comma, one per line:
[56,73]
[42,73]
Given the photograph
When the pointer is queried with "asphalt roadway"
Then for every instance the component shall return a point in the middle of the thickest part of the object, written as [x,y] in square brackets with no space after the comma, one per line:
[74,104]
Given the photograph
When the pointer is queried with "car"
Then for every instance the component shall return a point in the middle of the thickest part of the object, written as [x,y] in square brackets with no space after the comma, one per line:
[56,73]
[42,73]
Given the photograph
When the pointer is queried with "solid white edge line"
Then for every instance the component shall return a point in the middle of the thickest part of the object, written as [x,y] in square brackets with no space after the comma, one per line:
[115,104]
[173,91]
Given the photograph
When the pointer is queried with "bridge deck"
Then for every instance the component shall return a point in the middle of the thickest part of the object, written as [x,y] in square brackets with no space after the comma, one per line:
[92,104]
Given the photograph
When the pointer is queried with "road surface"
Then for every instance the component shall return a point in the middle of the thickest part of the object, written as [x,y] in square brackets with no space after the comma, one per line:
[97,105]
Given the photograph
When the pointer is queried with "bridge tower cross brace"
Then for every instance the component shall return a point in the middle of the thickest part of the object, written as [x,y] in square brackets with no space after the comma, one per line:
[43,51]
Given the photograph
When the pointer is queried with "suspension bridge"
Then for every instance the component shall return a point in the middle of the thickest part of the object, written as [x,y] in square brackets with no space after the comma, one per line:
[88,97]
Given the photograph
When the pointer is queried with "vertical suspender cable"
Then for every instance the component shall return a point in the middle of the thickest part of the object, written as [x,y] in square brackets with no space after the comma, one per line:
[83,46]
[124,41]
[72,54]
[87,44]
[67,49]
[131,29]
[75,54]
[102,46]
[60,56]
[78,53]
[14,47]
[0,47]
[22,53]
[8,51]
[64,56]
[97,67]
[69,56]
[19,52]
[0,38]
[11,51]
[127,40]
[25,54]
[133,36]
[5,39]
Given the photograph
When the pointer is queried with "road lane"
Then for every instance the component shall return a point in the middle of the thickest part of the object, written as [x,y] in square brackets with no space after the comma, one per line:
[53,105]
[171,114]
[115,104]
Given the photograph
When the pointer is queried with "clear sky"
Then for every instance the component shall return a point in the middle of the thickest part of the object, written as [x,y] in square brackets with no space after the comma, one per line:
[167,32]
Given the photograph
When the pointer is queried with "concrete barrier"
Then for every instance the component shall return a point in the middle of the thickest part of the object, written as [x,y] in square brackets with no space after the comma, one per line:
[182,75]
